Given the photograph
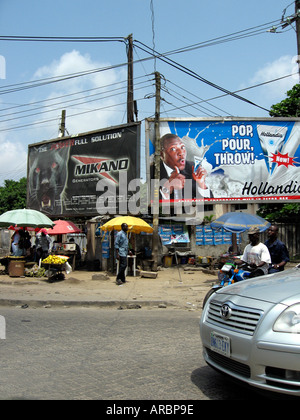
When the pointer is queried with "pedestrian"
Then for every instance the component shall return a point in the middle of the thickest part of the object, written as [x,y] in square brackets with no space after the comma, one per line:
[17,243]
[43,244]
[256,255]
[278,251]
[121,247]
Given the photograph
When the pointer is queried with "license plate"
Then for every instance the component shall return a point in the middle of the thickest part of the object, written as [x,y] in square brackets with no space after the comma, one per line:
[220,343]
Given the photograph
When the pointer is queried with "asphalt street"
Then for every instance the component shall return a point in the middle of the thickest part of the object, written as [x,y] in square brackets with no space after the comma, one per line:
[107,354]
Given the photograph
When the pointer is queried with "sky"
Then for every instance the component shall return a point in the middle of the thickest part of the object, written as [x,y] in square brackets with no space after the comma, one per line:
[208,49]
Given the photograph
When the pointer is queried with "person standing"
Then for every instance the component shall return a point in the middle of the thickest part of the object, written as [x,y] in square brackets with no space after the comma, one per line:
[43,244]
[121,247]
[17,243]
[277,249]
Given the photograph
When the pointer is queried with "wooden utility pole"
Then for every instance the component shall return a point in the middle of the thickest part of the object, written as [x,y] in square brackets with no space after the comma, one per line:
[62,127]
[130,103]
[297,13]
[155,208]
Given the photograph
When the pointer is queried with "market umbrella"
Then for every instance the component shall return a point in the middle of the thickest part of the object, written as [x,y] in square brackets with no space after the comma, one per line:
[237,222]
[29,229]
[135,224]
[25,218]
[62,227]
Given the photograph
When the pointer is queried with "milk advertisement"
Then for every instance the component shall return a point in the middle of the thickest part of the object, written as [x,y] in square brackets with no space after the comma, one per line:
[244,159]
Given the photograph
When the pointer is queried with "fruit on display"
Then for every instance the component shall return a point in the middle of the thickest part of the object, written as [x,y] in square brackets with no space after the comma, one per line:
[35,271]
[55,259]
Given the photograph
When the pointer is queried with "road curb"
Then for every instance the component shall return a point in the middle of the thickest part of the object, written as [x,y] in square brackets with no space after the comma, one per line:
[121,304]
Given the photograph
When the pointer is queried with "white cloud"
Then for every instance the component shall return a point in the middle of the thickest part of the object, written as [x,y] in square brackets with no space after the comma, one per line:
[280,67]
[13,161]
[13,158]
[73,62]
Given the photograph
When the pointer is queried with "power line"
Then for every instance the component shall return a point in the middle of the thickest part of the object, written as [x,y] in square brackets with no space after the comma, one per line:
[61,38]
[201,99]
[153,55]
[71,94]
[42,82]
[182,108]
[109,93]
[86,100]
[69,116]
[196,76]
[255,30]
[240,90]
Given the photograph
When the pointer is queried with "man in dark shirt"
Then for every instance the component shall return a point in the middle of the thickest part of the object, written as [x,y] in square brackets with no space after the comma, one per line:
[121,247]
[278,250]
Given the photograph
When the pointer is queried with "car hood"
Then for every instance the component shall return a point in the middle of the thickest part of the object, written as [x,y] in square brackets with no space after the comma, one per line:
[275,288]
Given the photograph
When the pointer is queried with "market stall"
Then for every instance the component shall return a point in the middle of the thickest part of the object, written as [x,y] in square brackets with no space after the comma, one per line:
[55,266]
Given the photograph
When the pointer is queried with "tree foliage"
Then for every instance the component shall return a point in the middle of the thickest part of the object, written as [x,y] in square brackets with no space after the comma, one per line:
[280,213]
[289,107]
[13,195]
[290,212]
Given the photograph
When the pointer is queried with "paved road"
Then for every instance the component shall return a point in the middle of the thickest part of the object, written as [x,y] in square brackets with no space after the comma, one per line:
[137,354]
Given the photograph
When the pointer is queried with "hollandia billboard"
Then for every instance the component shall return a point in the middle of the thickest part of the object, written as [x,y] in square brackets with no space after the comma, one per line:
[227,160]
[86,174]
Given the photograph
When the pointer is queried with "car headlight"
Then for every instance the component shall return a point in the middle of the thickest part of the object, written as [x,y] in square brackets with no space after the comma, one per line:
[289,320]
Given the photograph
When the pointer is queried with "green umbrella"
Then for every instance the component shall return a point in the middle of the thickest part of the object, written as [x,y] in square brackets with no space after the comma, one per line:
[25,218]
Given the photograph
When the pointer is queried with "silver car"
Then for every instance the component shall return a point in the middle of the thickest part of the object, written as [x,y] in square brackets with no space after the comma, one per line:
[251,331]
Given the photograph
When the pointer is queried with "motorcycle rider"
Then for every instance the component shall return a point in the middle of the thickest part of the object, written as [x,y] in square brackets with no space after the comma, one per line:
[256,255]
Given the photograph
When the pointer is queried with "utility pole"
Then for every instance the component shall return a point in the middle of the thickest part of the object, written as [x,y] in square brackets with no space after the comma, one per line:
[297,13]
[130,102]
[62,127]
[155,208]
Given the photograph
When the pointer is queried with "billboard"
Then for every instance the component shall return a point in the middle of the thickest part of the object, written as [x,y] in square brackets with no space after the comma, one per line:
[227,159]
[84,175]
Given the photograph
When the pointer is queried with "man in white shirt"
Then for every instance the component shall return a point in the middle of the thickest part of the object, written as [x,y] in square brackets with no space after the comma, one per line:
[256,254]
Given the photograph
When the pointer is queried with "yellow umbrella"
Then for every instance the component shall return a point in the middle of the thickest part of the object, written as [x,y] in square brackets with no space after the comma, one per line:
[135,224]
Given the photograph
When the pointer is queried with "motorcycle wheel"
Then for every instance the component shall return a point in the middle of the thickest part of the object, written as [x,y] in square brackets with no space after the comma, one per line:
[209,293]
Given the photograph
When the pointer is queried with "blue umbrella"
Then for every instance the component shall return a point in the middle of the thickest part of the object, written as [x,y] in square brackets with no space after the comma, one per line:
[237,222]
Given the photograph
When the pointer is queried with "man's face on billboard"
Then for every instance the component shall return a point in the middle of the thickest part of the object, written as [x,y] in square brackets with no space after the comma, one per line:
[174,153]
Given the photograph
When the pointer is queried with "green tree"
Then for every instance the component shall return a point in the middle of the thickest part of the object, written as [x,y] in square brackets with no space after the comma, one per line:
[280,213]
[13,195]
[289,107]
[289,212]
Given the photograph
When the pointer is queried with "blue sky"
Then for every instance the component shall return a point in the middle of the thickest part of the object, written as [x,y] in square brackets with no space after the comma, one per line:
[33,114]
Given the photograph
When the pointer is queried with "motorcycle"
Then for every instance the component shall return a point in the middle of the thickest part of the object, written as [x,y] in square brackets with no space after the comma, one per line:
[230,273]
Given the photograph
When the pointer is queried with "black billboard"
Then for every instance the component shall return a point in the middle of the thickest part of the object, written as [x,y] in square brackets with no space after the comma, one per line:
[84,175]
